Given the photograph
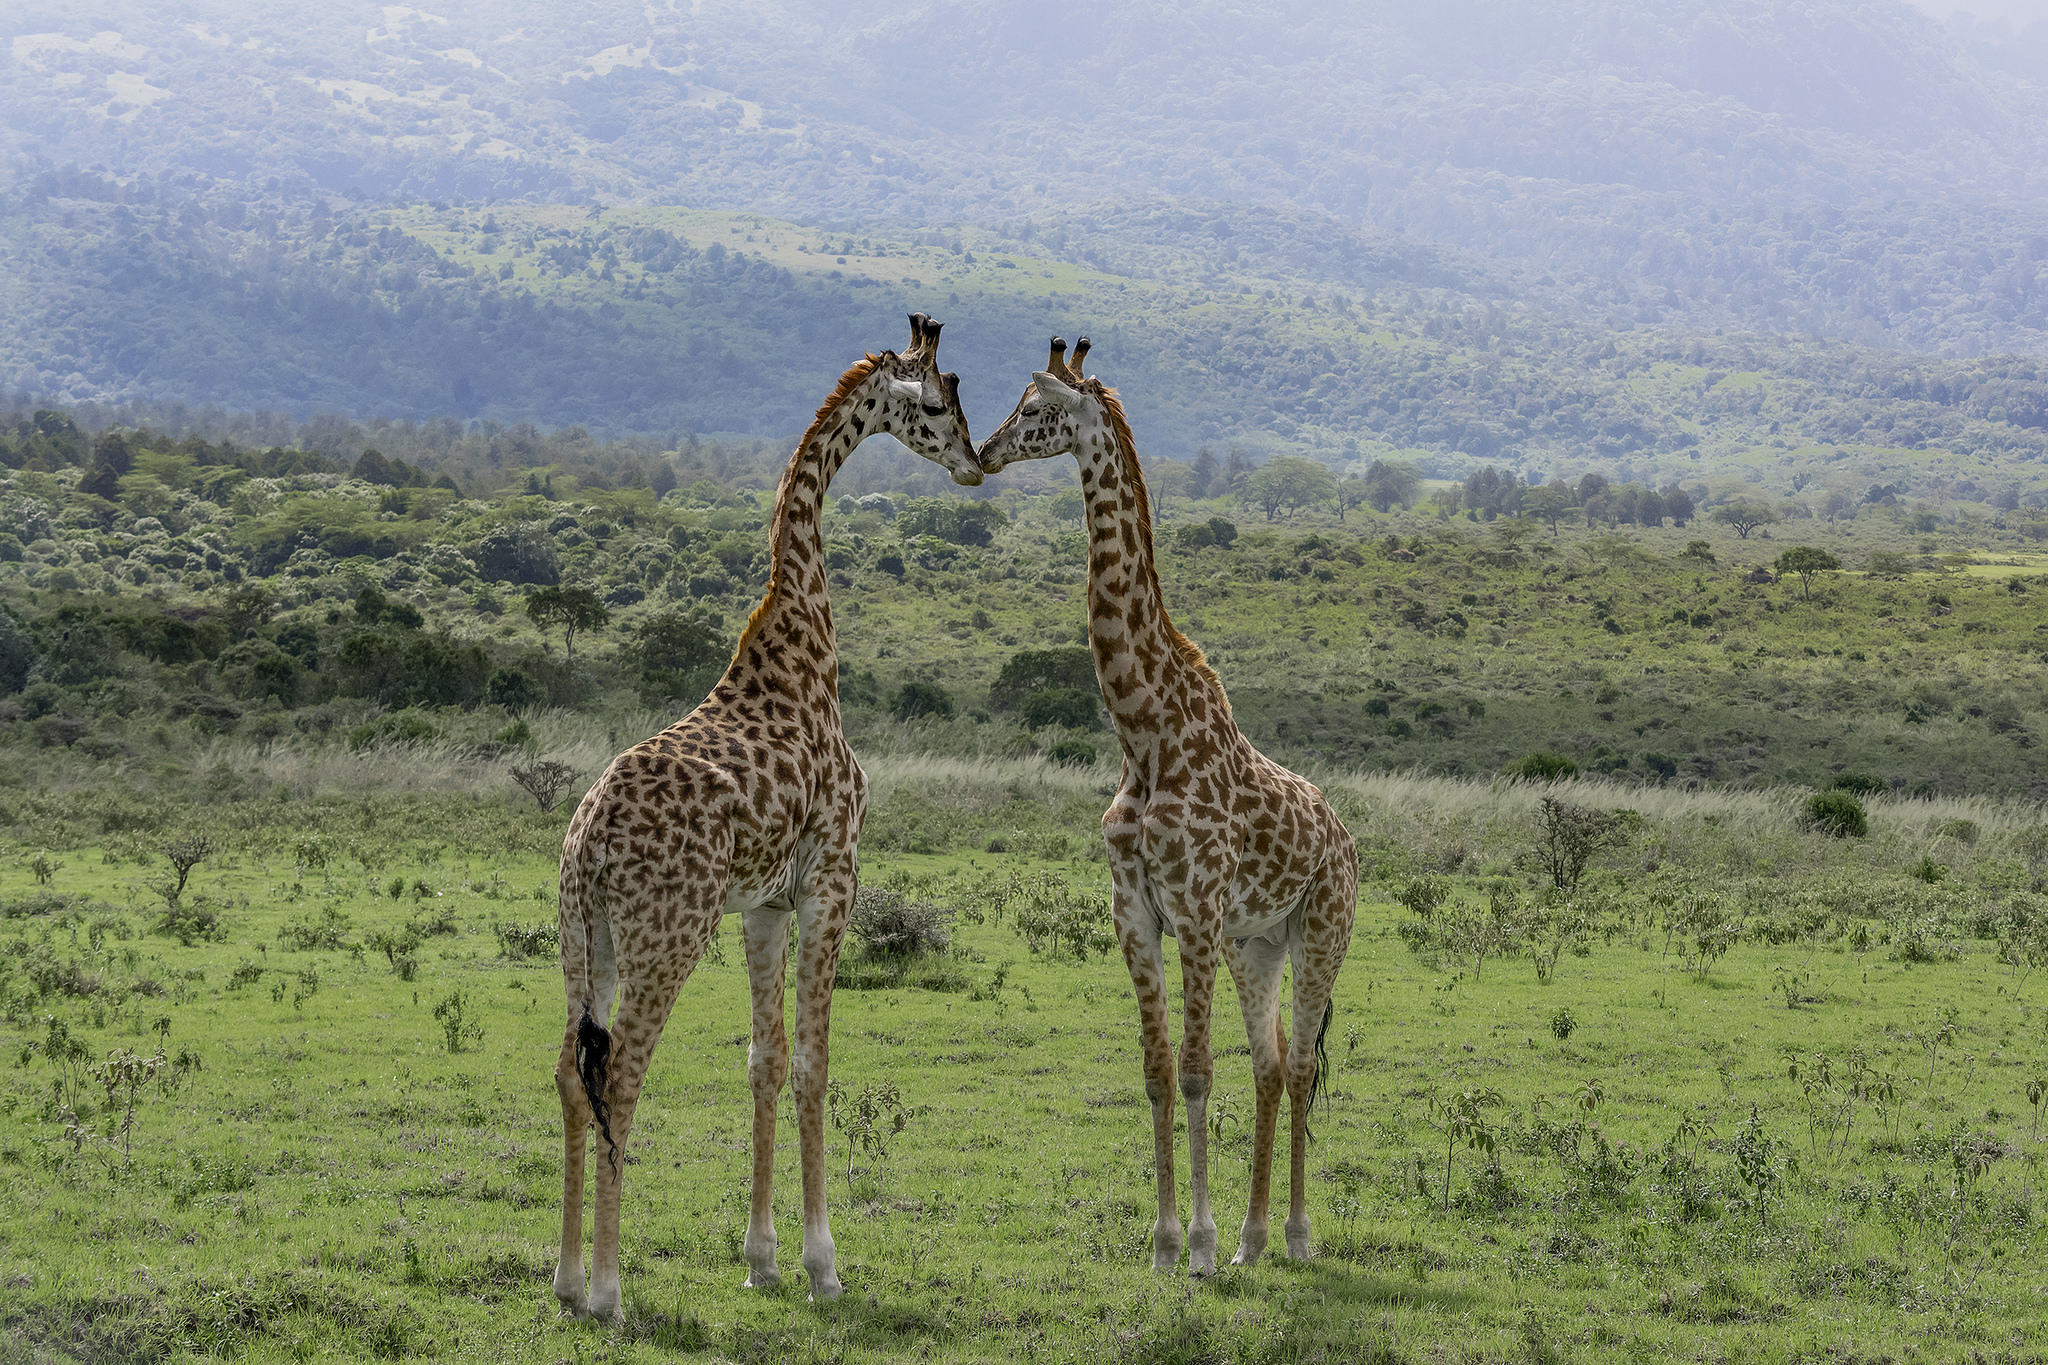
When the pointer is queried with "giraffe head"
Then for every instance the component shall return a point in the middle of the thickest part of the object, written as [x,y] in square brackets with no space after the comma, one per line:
[922,406]
[1052,418]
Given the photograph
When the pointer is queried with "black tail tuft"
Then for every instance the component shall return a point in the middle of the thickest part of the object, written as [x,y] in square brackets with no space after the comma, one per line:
[593,1057]
[1315,1087]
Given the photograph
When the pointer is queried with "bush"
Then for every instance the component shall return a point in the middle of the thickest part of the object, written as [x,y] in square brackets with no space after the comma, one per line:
[1859,784]
[1072,753]
[916,699]
[1837,813]
[1030,671]
[890,924]
[1067,707]
[1540,766]
[519,942]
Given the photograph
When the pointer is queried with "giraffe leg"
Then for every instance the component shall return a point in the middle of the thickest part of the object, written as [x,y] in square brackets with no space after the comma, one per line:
[767,939]
[643,1009]
[575,1132]
[1315,978]
[1144,955]
[1197,1078]
[1256,965]
[822,929]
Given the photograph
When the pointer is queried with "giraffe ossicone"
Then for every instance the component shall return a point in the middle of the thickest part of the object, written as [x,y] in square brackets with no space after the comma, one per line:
[1210,842]
[750,805]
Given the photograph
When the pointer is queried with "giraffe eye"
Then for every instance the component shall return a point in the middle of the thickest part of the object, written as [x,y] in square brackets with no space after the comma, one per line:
[933,409]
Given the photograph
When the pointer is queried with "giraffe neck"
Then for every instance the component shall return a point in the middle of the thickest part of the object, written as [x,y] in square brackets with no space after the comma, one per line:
[790,635]
[1138,653]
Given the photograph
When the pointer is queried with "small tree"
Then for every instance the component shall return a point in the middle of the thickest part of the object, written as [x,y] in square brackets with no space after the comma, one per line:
[185,854]
[1567,837]
[545,782]
[1806,561]
[1288,482]
[573,609]
[1745,515]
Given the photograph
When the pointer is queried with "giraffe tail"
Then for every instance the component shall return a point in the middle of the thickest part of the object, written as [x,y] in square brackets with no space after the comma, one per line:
[1322,1076]
[581,924]
[593,1062]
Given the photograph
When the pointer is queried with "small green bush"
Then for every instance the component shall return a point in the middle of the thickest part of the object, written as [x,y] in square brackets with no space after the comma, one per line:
[1543,767]
[1859,784]
[1837,813]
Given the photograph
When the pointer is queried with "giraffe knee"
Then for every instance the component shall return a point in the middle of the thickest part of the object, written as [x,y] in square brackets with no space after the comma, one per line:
[1194,1085]
[766,1071]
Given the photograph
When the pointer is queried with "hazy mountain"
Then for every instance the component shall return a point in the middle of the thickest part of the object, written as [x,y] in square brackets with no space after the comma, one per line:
[1847,168]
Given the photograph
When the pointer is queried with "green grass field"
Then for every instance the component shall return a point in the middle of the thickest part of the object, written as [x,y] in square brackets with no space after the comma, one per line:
[315,1173]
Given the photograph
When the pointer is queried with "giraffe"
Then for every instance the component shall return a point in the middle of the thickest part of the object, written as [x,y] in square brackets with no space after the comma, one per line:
[1210,842]
[751,804]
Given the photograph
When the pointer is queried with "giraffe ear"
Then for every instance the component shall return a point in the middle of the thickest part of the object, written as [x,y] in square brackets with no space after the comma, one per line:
[1053,390]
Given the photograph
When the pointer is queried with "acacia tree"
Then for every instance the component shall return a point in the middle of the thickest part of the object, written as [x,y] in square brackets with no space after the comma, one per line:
[1552,502]
[573,609]
[1806,561]
[1288,482]
[1745,515]
[1389,482]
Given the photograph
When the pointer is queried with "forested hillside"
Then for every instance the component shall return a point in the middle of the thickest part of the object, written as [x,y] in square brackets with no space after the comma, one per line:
[1346,345]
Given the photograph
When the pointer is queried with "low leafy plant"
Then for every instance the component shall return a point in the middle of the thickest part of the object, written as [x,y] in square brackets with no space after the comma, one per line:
[460,1026]
[1837,813]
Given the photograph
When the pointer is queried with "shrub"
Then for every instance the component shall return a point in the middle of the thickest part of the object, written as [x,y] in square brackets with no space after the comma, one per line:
[1072,753]
[1067,707]
[916,699]
[1859,784]
[519,942]
[890,924]
[1539,766]
[1030,671]
[1837,813]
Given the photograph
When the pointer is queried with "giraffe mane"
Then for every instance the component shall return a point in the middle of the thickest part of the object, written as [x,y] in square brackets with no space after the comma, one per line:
[857,374]
[1189,653]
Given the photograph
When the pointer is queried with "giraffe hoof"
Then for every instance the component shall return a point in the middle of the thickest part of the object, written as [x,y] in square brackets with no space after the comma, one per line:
[763,1279]
[824,1291]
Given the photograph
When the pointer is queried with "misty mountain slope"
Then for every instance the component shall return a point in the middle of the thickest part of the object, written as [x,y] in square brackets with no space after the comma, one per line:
[1842,167]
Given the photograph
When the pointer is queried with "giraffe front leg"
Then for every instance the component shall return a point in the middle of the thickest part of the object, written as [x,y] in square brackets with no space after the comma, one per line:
[1197,1078]
[821,930]
[1147,962]
[1256,965]
[767,942]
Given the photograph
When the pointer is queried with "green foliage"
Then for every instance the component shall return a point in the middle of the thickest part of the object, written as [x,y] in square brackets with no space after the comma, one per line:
[1068,668]
[460,1025]
[918,700]
[1538,766]
[951,519]
[1837,813]
[1068,707]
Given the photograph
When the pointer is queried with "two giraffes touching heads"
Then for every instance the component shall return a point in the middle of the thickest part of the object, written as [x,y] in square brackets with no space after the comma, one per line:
[752,805]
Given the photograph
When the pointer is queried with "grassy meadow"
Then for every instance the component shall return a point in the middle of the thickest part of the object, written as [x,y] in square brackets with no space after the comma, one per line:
[1747,1092]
